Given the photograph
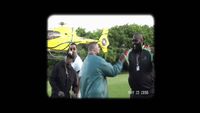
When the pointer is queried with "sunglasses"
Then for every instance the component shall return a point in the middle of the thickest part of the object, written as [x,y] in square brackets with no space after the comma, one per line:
[135,40]
[72,49]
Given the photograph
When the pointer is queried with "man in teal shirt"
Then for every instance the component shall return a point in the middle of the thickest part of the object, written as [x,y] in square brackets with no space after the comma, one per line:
[95,69]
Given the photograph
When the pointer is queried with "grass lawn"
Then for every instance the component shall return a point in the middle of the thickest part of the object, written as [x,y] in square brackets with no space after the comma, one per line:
[48,89]
[117,86]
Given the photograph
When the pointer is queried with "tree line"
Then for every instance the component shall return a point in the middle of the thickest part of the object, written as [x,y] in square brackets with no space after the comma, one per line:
[120,38]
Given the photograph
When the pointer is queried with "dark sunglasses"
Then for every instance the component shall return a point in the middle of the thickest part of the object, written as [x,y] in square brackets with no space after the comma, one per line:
[135,40]
[72,49]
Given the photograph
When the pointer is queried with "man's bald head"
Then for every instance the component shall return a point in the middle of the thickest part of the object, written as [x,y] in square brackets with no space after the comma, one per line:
[138,38]
[137,42]
[93,48]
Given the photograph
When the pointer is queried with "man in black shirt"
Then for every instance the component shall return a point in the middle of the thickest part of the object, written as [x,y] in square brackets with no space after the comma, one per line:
[63,78]
[141,70]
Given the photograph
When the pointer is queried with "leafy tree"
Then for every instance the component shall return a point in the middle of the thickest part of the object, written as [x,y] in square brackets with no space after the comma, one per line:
[119,37]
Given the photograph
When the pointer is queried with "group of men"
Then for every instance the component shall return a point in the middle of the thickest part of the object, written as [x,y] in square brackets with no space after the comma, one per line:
[73,78]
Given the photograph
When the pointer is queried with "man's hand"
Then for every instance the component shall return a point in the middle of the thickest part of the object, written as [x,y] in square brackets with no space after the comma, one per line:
[73,95]
[126,53]
[123,56]
[61,94]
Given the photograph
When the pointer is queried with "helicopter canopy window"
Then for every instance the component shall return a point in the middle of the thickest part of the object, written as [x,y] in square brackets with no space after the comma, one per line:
[53,34]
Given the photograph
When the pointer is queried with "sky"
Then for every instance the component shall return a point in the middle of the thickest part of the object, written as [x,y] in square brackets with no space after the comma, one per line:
[94,22]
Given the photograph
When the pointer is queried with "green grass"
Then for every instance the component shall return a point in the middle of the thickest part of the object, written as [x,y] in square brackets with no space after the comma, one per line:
[117,86]
[48,89]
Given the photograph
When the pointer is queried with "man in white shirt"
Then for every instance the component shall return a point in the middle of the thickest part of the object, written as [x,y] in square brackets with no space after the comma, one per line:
[77,63]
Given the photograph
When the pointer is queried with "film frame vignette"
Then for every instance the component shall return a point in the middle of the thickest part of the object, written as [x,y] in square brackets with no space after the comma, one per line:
[121,50]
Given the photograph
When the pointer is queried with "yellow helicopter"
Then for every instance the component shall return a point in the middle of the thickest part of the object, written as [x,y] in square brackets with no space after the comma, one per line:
[61,37]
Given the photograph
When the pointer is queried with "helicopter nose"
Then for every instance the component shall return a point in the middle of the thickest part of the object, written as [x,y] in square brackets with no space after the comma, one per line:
[104,42]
